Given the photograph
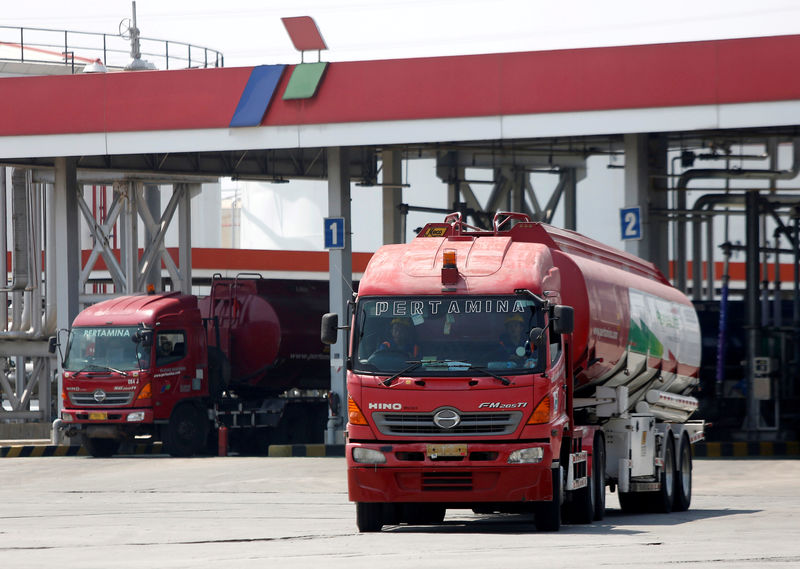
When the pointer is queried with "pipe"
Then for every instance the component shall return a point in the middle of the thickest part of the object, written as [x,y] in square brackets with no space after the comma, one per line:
[753,315]
[702,212]
[796,299]
[36,261]
[727,174]
[777,319]
[4,246]
[49,322]
[722,337]
[27,321]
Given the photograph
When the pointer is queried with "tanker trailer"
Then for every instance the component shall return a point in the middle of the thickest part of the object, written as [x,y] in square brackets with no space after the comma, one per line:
[636,359]
[173,368]
[519,369]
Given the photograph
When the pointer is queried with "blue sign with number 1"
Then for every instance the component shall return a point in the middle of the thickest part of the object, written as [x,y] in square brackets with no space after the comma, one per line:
[333,229]
[631,219]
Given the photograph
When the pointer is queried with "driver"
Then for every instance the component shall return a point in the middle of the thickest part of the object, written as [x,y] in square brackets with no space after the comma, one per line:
[402,338]
[164,346]
[514,340]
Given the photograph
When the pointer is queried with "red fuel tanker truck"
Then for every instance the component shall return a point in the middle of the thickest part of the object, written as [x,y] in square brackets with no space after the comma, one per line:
[177,368]
[523,369]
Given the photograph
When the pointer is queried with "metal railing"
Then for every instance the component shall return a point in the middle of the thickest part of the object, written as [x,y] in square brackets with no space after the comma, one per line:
[77,49]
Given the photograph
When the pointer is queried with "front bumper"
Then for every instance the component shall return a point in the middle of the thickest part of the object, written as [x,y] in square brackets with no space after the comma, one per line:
[96,416]
[417,473]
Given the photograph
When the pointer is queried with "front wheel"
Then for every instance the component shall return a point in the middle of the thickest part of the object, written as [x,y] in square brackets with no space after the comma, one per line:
[187,431]
[599,476]
[548,514]
[369,516]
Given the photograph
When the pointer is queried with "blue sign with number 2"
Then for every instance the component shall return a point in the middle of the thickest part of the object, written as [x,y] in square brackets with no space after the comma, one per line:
[631,218]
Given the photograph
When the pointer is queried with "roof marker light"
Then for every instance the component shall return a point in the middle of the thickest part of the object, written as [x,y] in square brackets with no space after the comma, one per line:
[449,269]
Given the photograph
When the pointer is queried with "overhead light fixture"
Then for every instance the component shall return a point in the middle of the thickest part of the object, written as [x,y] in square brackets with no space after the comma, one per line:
[95,67]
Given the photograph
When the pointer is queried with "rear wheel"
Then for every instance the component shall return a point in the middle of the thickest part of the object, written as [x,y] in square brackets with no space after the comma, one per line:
[599,476]
[683,477]
[369,516]
[100,448]
[187,431]
[662,499]
[548,514]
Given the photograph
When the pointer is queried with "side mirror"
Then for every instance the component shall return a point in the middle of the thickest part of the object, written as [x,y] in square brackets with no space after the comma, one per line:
[145,337]
[329,331]
[563,319]
[51,346]
[536,337]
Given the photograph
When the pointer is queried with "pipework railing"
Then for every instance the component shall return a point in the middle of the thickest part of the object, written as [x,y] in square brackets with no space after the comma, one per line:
[76,49]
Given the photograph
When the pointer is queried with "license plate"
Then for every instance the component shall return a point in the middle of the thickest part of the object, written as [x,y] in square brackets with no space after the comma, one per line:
[98,416]
[436,451]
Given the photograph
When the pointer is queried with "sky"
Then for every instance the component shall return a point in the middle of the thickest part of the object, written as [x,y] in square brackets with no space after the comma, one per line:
[249,32]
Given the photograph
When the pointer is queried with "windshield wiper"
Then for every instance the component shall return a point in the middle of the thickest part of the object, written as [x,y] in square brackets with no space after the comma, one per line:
[500,378]
[102,367]
[450,364]
[414,365]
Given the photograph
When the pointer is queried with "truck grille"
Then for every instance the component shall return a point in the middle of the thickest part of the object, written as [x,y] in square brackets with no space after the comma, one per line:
[474,424]
[113,399]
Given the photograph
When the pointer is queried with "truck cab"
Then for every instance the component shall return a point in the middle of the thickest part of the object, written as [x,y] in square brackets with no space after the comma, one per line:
[137,366]
[493,369]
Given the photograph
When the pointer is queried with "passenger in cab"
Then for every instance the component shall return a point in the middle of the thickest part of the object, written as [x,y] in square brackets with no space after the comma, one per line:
[401,339]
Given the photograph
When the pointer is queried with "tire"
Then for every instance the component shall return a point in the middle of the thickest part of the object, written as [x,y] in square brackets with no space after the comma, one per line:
[683,477]
[186,431]
[369,516]
[548,514]
[661,501]
[633,502]
[219,373]
[100,448]
[599,476]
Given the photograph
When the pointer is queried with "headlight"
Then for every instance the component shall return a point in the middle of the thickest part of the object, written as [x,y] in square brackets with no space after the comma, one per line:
[136,416]
[66,417]
[368,456]
[526,456]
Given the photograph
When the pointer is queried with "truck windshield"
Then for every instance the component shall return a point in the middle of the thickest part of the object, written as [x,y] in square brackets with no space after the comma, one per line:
[104,348]
[447,335]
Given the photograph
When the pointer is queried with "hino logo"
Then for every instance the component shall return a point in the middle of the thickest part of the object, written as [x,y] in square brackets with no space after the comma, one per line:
[385,406]
[99,395]
[446,418]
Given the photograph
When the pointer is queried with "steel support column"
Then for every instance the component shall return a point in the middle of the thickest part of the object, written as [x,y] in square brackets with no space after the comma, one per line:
[152,201]
[129,249]
[185,237]
[392,166]
[66,247]
[752,309]
[570,198]
[645,186]
[341,282]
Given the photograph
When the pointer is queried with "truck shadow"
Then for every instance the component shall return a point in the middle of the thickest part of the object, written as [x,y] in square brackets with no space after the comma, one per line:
[615,522]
